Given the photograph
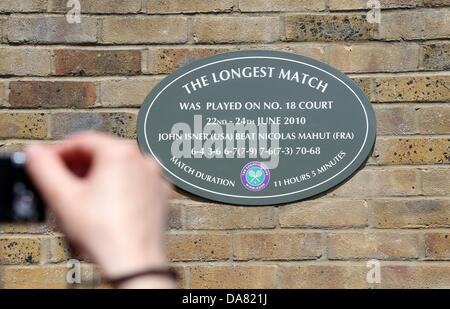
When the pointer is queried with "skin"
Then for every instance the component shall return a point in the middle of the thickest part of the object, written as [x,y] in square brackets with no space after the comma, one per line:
[110,201]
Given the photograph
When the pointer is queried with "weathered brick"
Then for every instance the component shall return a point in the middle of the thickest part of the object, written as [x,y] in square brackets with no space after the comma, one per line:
[44,277]
[339,5]
[126,92]
[19,250]
[437,246]
[51,30]
[375,57]
[3,96]
[415,25]
[395,120]
[97,62]
[167,60]
[54,249]
[236,277]
[220,29]
[391,182]
[23,228]
[412,151]
[148,29]
[191,6]
[416,213]
[14,228]
[175,217]
[315,51]
[23,125]
[3,28]
[420,88]
[323,275]
[325,214]
[214,217]
[436,182]
[181,272]
[432,3]
[328,28]
[373,245]
[415,276]
[277,246]
[23,6]
[436,56]
[434,120]
[365,84]
[20,61]
[199,247]
[51,94]
[98,6]
[281,5]
[122,124]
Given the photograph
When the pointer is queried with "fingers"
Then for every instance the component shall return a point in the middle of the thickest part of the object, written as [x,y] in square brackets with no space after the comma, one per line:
[90,143]
[49,173]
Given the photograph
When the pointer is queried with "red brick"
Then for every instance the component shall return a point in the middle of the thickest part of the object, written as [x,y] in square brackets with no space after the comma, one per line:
[51,94]
[97,62]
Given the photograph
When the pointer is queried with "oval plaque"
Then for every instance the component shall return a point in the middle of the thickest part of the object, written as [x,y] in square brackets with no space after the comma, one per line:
[257,127]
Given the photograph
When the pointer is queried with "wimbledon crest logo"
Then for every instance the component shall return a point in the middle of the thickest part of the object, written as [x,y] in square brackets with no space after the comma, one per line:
[255,176]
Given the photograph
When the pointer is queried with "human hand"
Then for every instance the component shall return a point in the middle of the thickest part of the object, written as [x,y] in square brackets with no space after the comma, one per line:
[109,199]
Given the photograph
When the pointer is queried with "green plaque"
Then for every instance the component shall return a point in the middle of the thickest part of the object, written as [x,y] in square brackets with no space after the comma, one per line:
[257,127]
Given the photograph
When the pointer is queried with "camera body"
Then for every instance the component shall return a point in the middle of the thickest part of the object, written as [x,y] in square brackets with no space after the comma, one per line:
[20,202]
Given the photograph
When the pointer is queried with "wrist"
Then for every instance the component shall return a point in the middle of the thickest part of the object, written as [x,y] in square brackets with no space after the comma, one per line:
[149,282]
[126,264]
[163,278]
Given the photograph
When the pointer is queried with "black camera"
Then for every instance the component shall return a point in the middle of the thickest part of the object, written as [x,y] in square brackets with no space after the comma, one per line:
[20,202]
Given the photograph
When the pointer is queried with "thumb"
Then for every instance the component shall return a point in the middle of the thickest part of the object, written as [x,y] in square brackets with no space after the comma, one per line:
[49,174]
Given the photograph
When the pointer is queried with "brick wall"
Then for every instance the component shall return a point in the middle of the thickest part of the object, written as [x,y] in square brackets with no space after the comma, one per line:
[58,78]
